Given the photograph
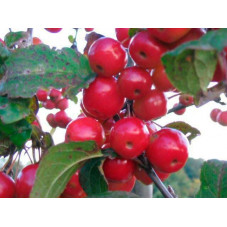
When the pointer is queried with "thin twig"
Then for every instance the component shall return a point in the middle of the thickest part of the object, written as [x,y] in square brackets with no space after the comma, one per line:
[178,107]
[157,124]
[74,46]
[171,191]
[12,164]
[17,169]
[162,188]
[33,155]
[128,110]
[116,117]
[174,95]
[39,153]
[26,152]
[52,131]
[75,37]
[8,163]
[218,100]
[152,174]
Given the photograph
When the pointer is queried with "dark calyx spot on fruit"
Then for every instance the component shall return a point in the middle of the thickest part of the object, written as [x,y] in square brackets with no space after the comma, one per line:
[137,92]
[99,67]
[70,156]
[174,162]
[153,137]
[129,145]
[143,55]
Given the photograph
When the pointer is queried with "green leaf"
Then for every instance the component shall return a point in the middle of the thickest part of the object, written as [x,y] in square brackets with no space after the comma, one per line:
[185,128]
[58,166]
[12,110]
[133,31]
[13,38]
[41,67]
[73,99]
[33,108]
[41,139]
[116,194]
[109,152]
[18,132]
[4,54]
[91,178]
[191,66]
[47,140]
[213,180]
[5,144]
[191,70]
[71,39]
[214,40]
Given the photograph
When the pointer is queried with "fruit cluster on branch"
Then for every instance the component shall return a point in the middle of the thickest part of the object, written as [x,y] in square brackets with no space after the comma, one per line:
[119,109]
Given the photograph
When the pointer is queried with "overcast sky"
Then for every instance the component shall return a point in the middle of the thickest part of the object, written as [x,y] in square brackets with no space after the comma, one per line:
[212,144]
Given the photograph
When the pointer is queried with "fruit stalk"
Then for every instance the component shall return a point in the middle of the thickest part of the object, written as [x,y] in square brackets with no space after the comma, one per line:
[152,174]
[162,188]
[178,107]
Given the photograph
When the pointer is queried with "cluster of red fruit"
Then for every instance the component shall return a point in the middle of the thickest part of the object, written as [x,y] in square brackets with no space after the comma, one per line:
[219,116]
[23,185]
[132,132]
[60,119]
[118,109]
[56,30]
[185,100]
[25,181]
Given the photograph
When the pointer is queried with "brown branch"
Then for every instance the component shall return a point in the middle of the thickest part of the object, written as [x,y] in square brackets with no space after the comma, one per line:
[162,188]
[152,174]
[212,93]
[29,36]
[30,31]
[171,191]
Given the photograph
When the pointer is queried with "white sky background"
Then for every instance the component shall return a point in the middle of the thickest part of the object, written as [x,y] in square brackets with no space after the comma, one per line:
[212,144]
